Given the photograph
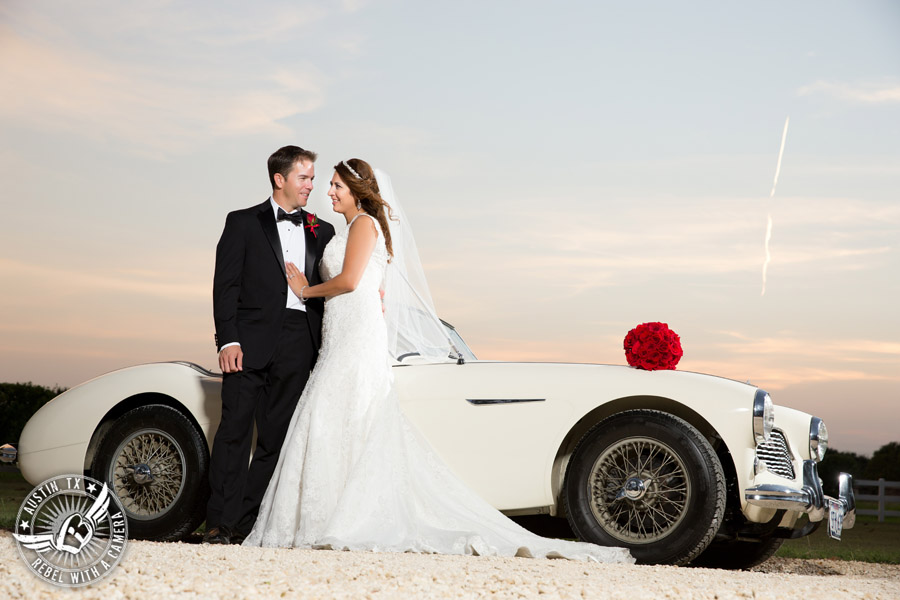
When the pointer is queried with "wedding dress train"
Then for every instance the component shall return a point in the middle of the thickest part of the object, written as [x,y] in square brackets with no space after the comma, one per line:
[355,474]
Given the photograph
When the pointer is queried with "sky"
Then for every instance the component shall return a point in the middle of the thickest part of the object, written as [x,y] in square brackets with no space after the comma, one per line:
[571,169]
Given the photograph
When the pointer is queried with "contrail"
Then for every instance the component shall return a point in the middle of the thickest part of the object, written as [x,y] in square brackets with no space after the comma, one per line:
[768,254]
[765,268]
[780,154]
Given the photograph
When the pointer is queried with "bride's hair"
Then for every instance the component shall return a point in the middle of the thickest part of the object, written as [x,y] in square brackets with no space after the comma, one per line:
[360,179]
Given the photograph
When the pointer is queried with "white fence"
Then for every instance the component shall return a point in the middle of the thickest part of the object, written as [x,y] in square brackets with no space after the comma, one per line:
[883,499]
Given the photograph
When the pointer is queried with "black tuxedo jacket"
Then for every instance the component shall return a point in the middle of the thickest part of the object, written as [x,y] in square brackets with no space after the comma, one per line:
[250,285]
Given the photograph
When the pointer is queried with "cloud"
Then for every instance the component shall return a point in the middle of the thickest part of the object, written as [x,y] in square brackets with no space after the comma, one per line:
[125,315]
[862,93]
[772,363]
[352,6]
[55,282]
[223,28]
[776,378]
[706,238]
[848,408]
[788,359]
[68,88]
[600,351]
[832,350]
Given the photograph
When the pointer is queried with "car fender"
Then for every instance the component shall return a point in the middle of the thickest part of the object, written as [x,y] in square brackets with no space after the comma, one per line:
[56,438]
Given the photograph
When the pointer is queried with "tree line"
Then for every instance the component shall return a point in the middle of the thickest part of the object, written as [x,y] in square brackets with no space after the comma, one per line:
[884,463]
[18,401]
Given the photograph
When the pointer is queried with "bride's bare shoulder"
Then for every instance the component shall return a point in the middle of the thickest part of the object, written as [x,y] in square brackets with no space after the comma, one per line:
[370,224]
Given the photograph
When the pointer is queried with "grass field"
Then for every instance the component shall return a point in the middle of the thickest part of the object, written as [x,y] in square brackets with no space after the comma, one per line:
[868,541]
[13,489]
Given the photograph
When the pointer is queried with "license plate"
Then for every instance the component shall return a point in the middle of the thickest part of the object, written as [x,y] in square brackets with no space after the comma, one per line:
[835,518]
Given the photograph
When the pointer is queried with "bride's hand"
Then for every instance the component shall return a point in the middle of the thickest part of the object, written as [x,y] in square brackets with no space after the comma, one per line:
[295,278]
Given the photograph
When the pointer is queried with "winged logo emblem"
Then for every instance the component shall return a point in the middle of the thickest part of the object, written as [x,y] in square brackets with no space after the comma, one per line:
[75,533]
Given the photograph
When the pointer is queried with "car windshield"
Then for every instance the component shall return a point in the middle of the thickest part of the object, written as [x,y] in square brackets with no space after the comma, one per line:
[457,340]
[454,338]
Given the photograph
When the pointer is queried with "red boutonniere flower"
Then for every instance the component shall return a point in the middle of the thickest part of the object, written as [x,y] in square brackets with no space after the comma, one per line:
[312,221]
[653,346]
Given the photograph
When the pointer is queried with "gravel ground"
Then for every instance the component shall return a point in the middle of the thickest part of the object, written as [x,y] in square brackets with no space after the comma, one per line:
[178,570]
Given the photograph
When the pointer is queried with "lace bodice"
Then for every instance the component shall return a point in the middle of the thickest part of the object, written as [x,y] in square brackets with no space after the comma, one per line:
[333,258]
[353,322]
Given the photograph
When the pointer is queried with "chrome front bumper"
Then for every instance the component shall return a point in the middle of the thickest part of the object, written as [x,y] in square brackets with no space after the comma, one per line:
[809,499]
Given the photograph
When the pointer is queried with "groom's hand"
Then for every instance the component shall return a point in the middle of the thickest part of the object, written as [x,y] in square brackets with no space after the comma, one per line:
[231,359]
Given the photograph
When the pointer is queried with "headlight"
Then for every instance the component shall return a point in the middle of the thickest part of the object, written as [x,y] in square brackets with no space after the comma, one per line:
[818,438]
[763,416]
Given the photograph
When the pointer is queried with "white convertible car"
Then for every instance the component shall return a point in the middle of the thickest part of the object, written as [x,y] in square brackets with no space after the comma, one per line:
[678,467]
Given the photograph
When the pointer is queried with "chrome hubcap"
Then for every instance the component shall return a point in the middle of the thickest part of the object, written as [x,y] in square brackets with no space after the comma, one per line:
[148,473]
[142,474]
[634,489]
[639,490]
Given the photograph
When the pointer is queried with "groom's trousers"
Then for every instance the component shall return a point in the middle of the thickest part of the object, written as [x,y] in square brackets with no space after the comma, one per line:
[267,396]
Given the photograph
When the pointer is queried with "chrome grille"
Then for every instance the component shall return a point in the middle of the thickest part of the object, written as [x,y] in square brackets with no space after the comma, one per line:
[776,456]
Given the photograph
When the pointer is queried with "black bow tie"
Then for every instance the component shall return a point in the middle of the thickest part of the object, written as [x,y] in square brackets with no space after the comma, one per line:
[295,217]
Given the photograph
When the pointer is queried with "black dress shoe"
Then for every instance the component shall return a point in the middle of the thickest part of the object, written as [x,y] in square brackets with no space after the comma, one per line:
[238,537]
[218,535]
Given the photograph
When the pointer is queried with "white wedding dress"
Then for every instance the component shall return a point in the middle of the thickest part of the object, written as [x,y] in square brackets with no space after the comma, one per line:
[355,474]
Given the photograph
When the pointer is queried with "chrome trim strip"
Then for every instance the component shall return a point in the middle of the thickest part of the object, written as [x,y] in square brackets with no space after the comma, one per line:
[486,401]
[203,371]
[777,496]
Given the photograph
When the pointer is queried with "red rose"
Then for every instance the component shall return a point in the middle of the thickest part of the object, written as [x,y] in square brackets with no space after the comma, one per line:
[652,346]
[312,222]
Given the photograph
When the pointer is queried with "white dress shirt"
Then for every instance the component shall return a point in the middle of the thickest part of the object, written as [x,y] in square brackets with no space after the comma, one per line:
[293,249]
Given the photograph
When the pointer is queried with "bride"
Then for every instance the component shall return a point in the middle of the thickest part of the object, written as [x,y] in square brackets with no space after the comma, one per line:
[353,472]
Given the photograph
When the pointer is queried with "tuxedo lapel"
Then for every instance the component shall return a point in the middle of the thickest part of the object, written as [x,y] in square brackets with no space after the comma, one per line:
[311,248]
[267,221]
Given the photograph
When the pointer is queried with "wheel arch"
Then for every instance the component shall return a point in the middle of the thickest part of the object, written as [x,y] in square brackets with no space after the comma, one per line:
[623,404]
[130,403]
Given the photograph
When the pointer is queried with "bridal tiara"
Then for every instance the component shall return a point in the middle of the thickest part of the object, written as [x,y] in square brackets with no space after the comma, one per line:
[349,168]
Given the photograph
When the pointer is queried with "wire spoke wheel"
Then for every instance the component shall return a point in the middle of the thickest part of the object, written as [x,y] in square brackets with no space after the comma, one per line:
[148,473]
[639,490]
[157,462]
[648,481]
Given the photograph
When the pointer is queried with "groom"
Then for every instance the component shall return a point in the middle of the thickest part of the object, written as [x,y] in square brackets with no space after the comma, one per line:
[267,338]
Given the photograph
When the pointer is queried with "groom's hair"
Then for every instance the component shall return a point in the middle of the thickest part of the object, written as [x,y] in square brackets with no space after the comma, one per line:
[283,159]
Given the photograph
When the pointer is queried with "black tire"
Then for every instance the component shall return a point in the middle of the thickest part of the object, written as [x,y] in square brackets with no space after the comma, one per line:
[647,481]
[157,464]
[738,554]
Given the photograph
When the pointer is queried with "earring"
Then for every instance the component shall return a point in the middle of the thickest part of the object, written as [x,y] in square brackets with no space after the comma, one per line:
[358,205]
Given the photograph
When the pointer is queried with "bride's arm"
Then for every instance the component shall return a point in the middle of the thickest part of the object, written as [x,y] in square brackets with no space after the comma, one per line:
[360,243]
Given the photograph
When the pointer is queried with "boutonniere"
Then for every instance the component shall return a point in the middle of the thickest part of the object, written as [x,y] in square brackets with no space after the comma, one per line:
[312,221]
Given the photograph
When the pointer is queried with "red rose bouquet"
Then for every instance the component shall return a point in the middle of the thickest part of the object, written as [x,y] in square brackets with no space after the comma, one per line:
[653,346]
